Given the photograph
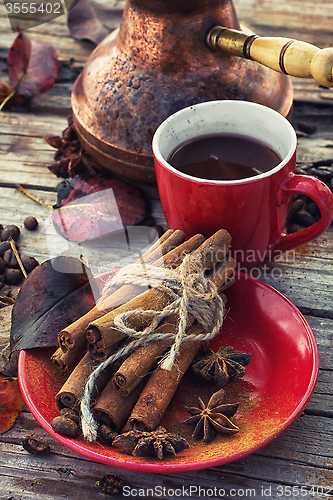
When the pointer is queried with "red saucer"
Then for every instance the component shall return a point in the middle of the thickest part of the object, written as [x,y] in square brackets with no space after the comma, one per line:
[278,384]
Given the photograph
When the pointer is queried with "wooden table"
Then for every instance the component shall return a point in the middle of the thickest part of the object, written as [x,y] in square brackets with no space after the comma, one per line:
[303,455]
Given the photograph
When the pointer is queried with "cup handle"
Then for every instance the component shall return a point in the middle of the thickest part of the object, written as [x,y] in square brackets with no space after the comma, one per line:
[320,194]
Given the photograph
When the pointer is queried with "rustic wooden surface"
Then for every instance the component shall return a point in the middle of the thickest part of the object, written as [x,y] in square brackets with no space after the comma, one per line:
[302,456]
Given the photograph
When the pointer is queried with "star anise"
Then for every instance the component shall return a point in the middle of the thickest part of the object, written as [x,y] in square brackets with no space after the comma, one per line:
[70,158]
[221,366]
[155,443]
[213,418]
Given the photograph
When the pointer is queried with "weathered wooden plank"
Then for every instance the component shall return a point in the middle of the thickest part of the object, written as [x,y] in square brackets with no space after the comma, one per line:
[307,284]
[31,124]
[296,458]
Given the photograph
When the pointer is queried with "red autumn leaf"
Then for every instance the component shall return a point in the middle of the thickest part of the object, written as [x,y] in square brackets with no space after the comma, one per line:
[89,217]
[97,208]
[11,402]
[35,61]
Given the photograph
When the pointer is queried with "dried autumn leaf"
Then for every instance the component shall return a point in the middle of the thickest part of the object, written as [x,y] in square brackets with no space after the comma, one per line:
[11,402]
[92,21]
[35,61]
[97,208]
[55,294]
[90,217]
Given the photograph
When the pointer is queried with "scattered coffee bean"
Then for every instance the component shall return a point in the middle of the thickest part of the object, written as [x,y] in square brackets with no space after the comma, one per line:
[305,212]
[6,301]
[67,412]
[29,263]
[294,227]
[301,171]
[8,232]
[107,434]
[307,127]
[5,290]
[313,209]
[296,205]
[10,259]
[4,245]
[30,223]
[305,218]
[35,447]
[323,163]
[65,425]
[111,484]
[13,276]
[2,266]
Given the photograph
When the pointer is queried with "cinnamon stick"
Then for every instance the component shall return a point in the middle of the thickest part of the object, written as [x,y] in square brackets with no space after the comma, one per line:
[65,360]
[142,360]
[170,260]
[161,387]
[210,252]
[113,410]
[99,348]
[71,392]
[74,334]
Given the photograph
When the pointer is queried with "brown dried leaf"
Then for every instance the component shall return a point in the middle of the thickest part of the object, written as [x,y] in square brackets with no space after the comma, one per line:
[92,21]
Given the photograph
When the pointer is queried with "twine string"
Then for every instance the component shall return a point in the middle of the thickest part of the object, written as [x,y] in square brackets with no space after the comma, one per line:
[190,293]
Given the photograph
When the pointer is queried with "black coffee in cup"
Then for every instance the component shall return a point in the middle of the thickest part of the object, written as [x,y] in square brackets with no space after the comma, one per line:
[224,157]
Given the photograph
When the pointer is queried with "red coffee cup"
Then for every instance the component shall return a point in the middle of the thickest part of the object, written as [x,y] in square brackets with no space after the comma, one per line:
[254,210]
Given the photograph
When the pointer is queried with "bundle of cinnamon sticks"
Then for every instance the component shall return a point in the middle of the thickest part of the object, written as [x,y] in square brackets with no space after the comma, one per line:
[134,391]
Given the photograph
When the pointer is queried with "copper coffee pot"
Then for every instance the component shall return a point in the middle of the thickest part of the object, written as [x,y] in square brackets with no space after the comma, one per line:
[170,54]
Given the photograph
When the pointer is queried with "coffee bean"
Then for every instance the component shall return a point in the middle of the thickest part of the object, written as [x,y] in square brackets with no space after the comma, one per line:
[294,227]
[69,413]
[10,259]
[35,447]
[305,218]
[312,208]
[30,223]
[4,245]
[323,163]
[111,485]
[301,171]
[13,276]
[5,290]
[65,425]
[307,127]
[305,166]
[296,205]
[29,263]
[8,232]
[1,227]
[2,266]
[107,434]
[321,173]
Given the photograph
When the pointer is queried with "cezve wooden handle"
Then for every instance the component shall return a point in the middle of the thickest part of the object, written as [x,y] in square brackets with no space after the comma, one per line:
[285,55]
